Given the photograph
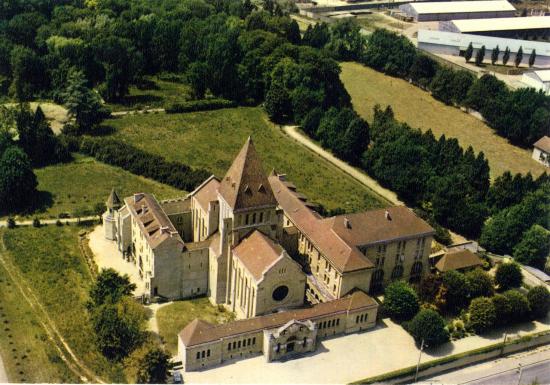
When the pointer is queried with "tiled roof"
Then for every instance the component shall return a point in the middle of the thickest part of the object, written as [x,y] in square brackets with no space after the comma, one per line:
[207,192]
[543,144]
[457,260]
[200,332]
[258,253]
[245,185]
[153,221]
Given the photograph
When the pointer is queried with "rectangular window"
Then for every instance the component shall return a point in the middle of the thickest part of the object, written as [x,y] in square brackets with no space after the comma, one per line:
[203,353]
[261,217]
[234,345]
[198,355]
[248,343]
[254,341]
[229,346]
[338,322]
[239,345]
[208,353]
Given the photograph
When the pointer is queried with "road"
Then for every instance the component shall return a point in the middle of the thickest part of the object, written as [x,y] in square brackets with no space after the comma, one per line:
[504,371]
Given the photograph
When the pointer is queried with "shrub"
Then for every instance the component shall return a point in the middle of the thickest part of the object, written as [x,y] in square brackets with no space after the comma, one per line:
[480,284]
[532,250]
[11,223]
[200,105]
[482,314]
[147,364]
[429,326]
[456,296]
[508,275]
[58,223]
[36,222]
[539,301]
[400,301]
[519,306]
[503,309]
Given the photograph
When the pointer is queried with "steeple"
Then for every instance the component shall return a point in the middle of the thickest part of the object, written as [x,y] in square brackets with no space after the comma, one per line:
[245,185]
[113,202]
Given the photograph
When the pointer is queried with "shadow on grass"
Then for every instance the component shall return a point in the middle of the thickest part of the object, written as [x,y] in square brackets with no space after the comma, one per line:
[42,201]
[133,100]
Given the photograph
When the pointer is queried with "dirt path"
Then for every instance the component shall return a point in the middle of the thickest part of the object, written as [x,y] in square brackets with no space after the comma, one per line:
[52,221]
[3,374]
[54,336]
[360,176]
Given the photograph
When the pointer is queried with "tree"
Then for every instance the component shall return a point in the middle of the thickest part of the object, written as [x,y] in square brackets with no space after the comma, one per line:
[469,52]
[196,76]
[346,41]
[10,223]
[457,290]
[508,275]
[277,102]
[310,122]
[440,84]
[532,250]
[519,57]
[82,103]
[119,327]
[110,287]
[519,306]
[36,222]
[482,314]
[148,364]
[423,69]
[28,73]
[400,301]
[506,56]
[539,301]
[494,55]
[532,58]
[503,309]
[429,326]
[17,181]
[480,284]
[480,56]
[429,287]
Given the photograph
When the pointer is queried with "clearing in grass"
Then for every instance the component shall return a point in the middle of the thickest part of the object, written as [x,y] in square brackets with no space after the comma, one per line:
[81,186]
[49,258]
[174,317]
[211,139]
[410,104]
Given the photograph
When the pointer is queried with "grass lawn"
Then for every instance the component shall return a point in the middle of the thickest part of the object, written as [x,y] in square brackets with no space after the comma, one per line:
[49,259]
[156,93]
[175,316]
[27,354]
[212,139]
[76,187]
[368,87]
[372,21]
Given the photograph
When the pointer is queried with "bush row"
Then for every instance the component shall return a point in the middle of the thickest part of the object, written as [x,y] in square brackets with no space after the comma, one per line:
[200,105]
[139,162]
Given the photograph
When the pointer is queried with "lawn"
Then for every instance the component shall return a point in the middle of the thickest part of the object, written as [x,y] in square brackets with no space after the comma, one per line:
[78,186]
[154,93]
[50,260]
[175,316]
[212,139]
[416,107]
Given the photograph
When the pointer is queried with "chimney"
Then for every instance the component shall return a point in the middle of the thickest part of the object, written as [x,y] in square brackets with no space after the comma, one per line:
[347,223]
[387,215]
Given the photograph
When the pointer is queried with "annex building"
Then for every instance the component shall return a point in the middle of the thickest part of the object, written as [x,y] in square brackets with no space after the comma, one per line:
[532,28]
[252,243]
[453,10]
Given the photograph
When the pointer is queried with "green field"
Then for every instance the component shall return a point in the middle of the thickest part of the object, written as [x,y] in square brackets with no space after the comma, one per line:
[416,107]
[175,316]
[157,93]
[78,186]
[52,265]
[212,139]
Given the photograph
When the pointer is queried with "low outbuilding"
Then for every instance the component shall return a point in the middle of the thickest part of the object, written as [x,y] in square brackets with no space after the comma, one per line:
[541,151]
[460,260]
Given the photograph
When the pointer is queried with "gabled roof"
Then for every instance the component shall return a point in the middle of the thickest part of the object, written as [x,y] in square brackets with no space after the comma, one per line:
[245,185]
[200,332]
[258,253]
[113,202]
[458,260]
[543,144]
[152,220]
[462,6]
[207,192]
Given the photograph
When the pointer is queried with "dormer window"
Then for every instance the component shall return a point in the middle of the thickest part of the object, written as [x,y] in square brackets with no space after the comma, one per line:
[261,188]
[247,189]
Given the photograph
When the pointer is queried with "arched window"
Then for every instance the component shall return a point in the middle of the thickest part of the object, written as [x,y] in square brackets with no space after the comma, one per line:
[376,281]
[416,271]
[397,272]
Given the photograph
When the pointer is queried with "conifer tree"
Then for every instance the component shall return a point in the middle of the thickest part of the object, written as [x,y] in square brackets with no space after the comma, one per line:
[506,56]
[494,55]
[469,52]
[519,57]
[532,58]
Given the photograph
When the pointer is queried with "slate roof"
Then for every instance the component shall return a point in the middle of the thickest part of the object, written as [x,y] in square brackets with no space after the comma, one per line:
[200,332]
[245,185]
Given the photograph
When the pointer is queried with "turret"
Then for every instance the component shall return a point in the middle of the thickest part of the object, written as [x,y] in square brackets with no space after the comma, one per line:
[113,204]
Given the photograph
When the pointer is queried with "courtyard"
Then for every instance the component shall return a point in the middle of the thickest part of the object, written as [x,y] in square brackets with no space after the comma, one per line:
[386,348]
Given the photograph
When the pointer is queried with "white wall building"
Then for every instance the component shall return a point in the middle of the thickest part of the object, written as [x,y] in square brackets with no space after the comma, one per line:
[541,151]
[452,10]
[539,80]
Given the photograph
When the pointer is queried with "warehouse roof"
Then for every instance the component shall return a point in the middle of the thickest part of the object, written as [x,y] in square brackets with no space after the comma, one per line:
[462,40]
[462,6]
[502,24]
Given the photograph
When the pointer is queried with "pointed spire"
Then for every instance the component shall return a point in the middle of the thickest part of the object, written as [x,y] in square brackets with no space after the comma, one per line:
[113,202]
[241,185]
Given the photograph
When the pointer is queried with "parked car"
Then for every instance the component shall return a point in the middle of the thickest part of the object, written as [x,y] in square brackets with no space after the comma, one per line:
[177,377]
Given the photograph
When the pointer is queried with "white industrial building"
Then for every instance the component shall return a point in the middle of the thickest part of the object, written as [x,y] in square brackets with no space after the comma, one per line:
[452,43]
[454,10]
[539,80]
[512,27]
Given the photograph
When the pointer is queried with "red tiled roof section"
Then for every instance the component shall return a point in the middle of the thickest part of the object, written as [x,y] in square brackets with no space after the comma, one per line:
[457,260]
[543,144]
[344,257]
[245,185]
[155,224]
[257,252]
[198,332]
[379,225]
[207,193]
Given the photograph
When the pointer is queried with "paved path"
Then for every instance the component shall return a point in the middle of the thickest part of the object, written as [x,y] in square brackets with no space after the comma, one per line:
[503,371]
[358,175]
[52,221]
[135,112]
[3,374]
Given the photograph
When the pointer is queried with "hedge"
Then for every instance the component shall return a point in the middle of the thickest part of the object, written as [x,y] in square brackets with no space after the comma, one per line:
[136,161]
[200,105]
